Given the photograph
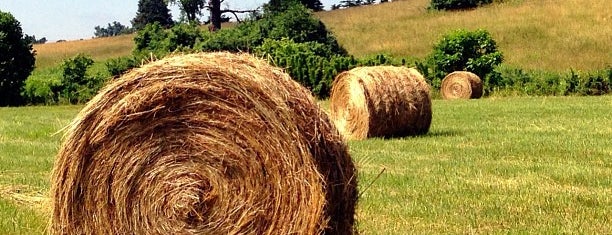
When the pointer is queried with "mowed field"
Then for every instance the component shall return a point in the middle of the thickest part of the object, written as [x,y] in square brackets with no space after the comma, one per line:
[495,165]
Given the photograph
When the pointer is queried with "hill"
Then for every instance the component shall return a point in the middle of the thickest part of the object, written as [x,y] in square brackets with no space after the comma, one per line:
[50,54]
[532,34]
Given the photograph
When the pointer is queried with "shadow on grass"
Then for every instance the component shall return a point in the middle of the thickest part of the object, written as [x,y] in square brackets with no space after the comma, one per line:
[434,134]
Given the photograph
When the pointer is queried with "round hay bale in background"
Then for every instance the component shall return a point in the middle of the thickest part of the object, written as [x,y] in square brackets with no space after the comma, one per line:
[213,143]
[384,101]
[461,85]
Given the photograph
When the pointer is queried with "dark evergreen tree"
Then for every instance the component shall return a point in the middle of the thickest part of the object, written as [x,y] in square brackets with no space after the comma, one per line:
[16,60]
[150,11]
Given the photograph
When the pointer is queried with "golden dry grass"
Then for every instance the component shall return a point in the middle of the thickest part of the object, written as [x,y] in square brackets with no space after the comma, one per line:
[532,34]
[50,54]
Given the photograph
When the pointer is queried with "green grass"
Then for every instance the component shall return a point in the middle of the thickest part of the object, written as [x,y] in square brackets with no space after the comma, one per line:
[518,165]
[496,165]
[28,142]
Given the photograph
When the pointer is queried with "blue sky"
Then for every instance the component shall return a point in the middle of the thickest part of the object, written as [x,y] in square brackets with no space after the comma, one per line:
[76,19]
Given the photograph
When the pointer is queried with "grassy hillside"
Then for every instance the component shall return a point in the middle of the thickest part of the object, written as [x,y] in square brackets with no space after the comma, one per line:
[51,54]
[532,34]
[526,165]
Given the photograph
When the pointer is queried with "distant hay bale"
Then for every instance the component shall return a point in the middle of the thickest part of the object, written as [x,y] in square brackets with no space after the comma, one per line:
[461,85]
[383,101]
[214,143]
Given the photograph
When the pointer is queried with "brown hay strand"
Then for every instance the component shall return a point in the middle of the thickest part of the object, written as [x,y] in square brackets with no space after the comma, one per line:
[461,85]
[383,101]
[213,143]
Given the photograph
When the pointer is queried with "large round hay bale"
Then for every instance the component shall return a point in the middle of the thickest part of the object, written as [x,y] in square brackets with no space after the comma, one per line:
[380,101]
[213,143]
[461,85]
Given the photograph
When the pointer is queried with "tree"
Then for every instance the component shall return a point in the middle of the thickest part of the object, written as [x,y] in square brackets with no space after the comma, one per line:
[32,39]
[314,5]
[150,11]
[216,14]
[191,8]
[16,60]
[113,29]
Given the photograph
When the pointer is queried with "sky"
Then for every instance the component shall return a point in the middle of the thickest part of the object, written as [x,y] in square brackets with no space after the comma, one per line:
[76,19]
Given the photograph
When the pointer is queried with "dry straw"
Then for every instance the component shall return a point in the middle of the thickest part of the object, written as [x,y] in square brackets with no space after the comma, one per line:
[213,143]
[384,101]
[461,85]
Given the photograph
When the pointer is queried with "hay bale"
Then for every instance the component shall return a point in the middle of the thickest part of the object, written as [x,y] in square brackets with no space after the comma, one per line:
[461,85]
[203,144]
[384,101]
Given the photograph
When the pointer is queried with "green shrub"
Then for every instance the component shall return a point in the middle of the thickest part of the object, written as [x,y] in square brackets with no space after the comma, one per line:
[118,66]
[541,83]
[312,64]
[42,87]
[463,50]
[297,23]
[76,85]
[456,4]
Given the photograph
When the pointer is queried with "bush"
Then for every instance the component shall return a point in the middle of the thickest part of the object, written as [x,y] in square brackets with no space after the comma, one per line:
[116,67]
[456,4]
[462,50]
[298,23]
[540,83]
[312,64]
[42,87]
[76,85]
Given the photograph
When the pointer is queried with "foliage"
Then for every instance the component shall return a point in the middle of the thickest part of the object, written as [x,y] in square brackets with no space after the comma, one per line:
[42,87]
[113,29]
[312,64]
[117,66]
[74,81]
[463,50]
[515,81]
[191,8]
[150,11]
[75,86]
[295,22]
[156,41]
[32,39]
[456,4]
[16,60]
[298,24]
[281,5]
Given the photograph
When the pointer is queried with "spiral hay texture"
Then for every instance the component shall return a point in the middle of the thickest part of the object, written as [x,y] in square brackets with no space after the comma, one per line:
[213,143]
[461,85]
[380,101]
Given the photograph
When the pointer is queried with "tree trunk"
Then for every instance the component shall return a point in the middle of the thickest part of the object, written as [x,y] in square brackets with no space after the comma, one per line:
[215,14]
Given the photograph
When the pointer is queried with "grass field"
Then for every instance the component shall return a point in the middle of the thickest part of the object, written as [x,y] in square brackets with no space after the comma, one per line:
[496,165]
